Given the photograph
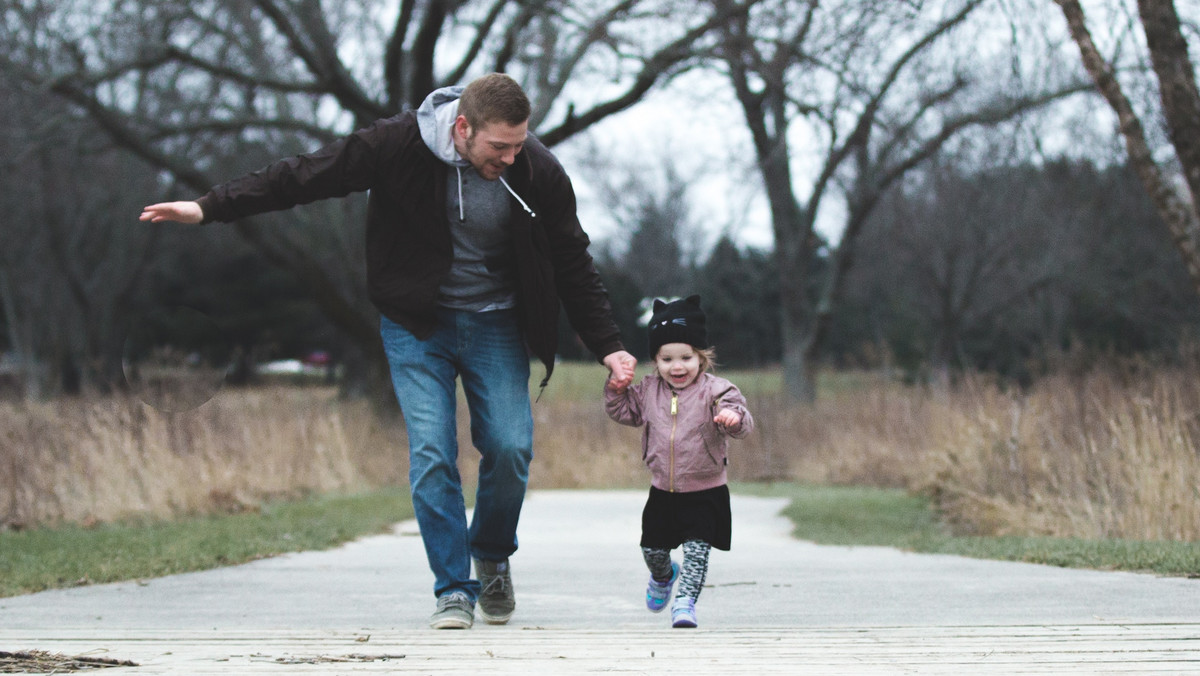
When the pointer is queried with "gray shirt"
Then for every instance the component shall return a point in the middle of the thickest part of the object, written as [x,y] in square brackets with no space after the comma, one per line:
[482,275]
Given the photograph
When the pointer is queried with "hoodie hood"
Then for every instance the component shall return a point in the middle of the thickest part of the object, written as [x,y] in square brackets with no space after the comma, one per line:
[435,118]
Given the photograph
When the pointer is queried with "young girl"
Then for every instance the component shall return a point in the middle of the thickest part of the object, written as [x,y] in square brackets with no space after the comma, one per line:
[688,414]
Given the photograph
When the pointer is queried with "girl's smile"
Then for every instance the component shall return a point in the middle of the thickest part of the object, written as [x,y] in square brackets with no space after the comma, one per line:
[677,364]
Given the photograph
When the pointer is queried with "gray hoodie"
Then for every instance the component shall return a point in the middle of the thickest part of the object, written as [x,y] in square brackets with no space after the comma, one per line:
[482,275]
[436,118]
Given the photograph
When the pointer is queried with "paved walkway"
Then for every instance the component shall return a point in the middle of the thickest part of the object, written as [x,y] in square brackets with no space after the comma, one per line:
[579,580]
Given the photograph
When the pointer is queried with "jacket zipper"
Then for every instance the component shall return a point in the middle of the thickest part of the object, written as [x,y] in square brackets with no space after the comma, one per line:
[674,420]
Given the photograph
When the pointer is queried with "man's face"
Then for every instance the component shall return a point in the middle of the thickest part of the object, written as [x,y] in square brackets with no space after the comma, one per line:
[491,148]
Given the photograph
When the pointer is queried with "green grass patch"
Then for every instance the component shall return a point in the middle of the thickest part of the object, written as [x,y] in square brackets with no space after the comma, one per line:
[584,381]
[894,518]
[50,558]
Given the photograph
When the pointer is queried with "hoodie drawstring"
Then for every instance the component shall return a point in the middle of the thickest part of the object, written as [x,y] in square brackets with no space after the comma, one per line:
[514,194]
[462,216]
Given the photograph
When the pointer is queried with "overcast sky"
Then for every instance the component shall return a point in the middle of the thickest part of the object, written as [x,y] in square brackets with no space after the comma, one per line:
[700,140]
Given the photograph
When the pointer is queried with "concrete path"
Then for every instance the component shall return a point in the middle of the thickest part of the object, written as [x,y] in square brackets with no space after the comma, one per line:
[579,579]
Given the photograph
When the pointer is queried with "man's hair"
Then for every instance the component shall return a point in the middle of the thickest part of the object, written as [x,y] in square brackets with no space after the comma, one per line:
[493,98]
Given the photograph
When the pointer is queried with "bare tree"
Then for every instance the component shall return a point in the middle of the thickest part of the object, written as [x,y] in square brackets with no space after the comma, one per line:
[1180,109]
[73,265]
[649,204]
[200,89]
[876,88]
[972,244]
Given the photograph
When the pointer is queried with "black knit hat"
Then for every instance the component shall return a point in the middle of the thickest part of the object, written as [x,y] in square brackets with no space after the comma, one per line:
[680,321]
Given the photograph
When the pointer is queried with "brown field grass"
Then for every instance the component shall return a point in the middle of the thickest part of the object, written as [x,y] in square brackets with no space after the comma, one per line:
[1099,453]
[98,459]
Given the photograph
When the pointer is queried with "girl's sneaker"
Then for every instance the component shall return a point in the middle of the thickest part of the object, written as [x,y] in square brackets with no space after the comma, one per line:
[657,592]
[683,613]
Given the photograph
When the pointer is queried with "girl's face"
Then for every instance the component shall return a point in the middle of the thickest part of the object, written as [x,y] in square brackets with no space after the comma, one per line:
[678,364]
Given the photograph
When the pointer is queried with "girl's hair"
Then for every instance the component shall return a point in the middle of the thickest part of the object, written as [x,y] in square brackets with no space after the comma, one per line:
[708,359]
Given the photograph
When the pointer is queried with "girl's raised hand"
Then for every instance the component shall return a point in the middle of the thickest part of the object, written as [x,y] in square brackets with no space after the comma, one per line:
[727,418]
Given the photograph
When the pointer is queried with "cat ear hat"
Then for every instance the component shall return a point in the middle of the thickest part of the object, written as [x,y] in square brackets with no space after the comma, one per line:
[680,321]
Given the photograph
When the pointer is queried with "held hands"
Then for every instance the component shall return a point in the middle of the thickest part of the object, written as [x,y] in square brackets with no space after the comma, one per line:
[182,212]
[621,366]
[727,418]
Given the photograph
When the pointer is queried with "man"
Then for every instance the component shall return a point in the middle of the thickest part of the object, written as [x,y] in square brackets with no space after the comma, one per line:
[472,244]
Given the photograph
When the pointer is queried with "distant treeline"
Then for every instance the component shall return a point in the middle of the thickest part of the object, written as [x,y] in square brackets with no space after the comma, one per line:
[998,270]
[1001,271]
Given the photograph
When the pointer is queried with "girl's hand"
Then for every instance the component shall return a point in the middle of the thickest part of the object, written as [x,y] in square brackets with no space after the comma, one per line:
[727,418]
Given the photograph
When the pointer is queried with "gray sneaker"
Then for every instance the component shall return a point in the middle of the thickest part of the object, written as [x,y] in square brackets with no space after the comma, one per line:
[496,600]
[454,611]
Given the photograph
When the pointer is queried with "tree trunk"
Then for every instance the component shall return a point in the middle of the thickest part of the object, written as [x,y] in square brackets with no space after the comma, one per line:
[1176,84]
[799,365]
[793,232]
[1178,214]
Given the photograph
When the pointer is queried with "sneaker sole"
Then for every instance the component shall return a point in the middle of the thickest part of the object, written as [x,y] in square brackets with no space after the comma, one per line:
[451,623]
[495,619]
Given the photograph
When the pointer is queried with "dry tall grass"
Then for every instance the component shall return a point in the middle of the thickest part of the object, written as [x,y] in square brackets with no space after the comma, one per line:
[1110,453]
[1107,452]
[98,459]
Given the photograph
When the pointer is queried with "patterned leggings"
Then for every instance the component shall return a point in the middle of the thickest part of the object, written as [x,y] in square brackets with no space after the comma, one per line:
[691,574]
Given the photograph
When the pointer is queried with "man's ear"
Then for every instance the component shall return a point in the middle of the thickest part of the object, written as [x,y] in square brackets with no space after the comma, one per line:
[461,127]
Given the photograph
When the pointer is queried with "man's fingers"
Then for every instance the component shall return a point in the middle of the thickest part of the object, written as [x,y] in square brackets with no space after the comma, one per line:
[183,212]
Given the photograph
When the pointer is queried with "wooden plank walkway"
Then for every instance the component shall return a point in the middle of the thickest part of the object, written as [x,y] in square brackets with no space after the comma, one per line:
[1008,650]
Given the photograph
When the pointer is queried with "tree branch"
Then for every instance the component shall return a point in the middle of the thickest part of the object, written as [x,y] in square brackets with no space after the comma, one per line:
[424,47]
[237,125]
[320,55]
[289,257]
[482,31]
[393,60]
[652,72]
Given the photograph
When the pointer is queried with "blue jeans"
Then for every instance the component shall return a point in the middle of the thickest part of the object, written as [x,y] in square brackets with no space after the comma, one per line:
[486,349]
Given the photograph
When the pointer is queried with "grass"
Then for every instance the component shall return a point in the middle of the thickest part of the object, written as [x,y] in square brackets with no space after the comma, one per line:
[1090,467]
[49,558]
[858,516]
[582,381]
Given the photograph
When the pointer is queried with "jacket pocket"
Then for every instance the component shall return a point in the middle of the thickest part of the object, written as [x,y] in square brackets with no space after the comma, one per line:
[714,445]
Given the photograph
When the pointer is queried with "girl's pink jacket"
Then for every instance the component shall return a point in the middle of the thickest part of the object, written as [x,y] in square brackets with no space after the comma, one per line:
[684,449]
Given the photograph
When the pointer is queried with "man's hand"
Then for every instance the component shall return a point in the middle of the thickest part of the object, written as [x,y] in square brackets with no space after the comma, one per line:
[621,367]
[183,212]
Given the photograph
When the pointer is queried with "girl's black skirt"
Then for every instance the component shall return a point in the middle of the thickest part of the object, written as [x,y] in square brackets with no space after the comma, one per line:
[670,519]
